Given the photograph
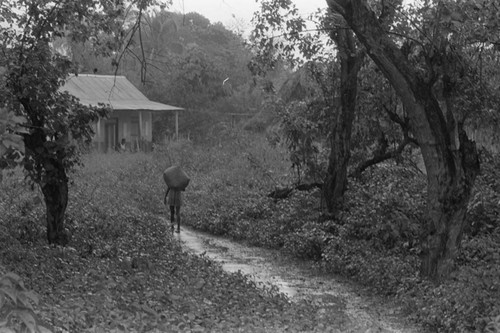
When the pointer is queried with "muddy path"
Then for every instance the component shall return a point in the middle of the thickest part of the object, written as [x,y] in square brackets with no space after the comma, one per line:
[357,311]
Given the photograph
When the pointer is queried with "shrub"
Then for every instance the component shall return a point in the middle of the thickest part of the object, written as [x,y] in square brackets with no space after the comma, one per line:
[307,243]
[386,207]
[484,207]
[21,204]
[466,303]
[386,272]
[17,306]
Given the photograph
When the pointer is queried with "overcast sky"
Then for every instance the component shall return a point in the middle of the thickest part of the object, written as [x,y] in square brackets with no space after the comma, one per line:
[236,14]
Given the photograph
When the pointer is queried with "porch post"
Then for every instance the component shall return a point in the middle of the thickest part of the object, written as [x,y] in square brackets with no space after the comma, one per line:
[176,125]
[140,130]
[98,134]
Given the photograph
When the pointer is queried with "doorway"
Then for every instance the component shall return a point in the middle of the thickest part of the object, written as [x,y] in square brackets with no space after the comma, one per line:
[111,134]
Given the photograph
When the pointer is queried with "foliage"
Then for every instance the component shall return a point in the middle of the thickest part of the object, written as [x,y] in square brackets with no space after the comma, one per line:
[34,72]
[11,147]
[308,242]
[305,142]
[484,210]
[16,307]
[113,276]
[462,34]
[375,240]
[192,63]
[306,111]
[428,62]
[381,118]
[126,272]
[16,302]
[36,64]
[469,301]
[334,114]
[282,35]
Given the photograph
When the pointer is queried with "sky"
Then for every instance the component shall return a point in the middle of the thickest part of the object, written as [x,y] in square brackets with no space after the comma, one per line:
[236,14]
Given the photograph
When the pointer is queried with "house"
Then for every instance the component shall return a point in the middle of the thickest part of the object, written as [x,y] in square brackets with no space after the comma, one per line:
[132,112]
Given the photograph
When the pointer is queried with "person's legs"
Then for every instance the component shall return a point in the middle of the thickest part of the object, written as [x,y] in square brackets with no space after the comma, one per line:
[172,214]
[178,217]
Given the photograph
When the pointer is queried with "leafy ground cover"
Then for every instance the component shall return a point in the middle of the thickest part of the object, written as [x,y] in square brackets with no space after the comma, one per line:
[123,271]
[375,239]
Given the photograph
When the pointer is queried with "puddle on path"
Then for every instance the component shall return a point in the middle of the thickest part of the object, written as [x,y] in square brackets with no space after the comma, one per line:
[264,267]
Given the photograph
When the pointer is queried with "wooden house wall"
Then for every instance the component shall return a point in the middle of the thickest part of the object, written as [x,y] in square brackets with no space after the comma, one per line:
[136,127]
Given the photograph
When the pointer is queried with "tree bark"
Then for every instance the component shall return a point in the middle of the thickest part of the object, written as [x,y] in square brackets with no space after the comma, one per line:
[340,140]
[449,190]
[53,180]
[450,158]
[55,191]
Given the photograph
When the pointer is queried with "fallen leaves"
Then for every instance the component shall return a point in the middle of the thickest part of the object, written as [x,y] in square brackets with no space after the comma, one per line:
[124,272]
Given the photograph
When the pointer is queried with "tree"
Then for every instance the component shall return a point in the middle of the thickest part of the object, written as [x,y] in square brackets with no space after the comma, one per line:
[191,63]
[56,123]
[351,59]
[381,129]
[429,71]
[304,117]
[295,38]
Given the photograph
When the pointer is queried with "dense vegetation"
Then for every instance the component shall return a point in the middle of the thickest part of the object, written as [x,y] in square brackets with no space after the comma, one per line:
[124,272]
[191,63]
[112,273]
[375,240]
[431,56]
[386,222]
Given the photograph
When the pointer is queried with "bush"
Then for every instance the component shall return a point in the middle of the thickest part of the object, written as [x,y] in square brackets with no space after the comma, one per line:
[22,204]
[484,207]
[17,303]
[466,303]
[308,243]
[386,207]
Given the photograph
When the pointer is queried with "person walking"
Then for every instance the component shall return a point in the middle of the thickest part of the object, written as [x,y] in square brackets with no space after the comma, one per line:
[177,181]
[173,198]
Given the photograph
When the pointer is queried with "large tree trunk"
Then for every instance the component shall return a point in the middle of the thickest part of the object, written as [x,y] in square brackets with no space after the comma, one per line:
[53,180]
[55,191]
[450,183]
[340,151]
[336,178]
[450,158]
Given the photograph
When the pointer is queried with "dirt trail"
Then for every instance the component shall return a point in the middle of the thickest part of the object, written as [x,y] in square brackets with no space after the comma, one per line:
[268,269]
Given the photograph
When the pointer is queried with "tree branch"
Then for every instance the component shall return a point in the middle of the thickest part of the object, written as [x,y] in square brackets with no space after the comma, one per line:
[382,154]
[380,157]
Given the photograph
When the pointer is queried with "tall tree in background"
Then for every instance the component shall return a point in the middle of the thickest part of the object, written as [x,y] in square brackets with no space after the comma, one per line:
[430,72]
[190,63]
[293,38]
[350,57]
[32,77]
